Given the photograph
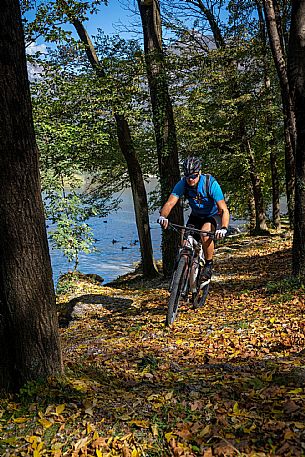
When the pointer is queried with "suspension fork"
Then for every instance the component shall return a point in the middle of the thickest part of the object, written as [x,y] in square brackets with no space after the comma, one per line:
[189,255]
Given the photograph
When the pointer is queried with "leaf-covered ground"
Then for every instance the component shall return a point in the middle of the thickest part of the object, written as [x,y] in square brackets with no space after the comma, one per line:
[226,380]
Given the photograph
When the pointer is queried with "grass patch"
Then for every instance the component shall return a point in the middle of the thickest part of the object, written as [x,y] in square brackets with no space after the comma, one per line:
[282,286]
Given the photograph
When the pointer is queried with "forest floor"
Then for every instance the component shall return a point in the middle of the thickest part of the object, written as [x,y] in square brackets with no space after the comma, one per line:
[226,380]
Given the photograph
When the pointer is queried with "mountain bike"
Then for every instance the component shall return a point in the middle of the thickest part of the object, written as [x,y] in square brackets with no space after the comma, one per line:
[185,279]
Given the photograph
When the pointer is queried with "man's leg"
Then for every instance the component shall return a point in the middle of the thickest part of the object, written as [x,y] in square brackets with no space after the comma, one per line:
[208,249]
[207,242]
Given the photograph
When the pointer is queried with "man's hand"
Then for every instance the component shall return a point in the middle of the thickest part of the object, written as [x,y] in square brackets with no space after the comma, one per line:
[163,222]
[221,233]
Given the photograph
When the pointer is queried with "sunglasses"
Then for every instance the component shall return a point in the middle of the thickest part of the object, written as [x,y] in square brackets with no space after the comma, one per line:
[193,176]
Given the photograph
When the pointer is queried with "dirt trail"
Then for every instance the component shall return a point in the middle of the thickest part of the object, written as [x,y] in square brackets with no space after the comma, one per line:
[223,381]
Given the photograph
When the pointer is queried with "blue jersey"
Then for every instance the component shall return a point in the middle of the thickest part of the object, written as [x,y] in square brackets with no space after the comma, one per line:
[201,203]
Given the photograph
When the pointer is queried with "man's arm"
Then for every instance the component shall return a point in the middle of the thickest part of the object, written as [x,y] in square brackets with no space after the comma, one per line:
[217,194]
[168,206]
[166,209]
[224,212]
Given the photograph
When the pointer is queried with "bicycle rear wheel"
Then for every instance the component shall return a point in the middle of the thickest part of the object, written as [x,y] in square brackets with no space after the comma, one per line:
[177,286]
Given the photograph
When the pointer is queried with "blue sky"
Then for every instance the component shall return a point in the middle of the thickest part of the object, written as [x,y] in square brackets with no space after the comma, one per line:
[115,18]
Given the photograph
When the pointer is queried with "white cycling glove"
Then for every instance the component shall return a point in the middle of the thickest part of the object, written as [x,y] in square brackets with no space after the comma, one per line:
[163,222]
[221,233]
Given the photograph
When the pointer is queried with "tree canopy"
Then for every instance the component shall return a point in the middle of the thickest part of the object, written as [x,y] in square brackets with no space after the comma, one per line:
[225,85]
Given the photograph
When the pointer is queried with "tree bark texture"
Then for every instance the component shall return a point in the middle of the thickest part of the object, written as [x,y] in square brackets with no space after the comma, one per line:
[276,216]
[260,225]
[296,72]
[210,17]
[126,145]
[163,120]
[139,196]
[29,339]
[276,44]
[252,209]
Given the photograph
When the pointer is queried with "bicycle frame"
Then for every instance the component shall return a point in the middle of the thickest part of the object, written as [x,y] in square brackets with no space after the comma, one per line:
[192,250]
[186,272]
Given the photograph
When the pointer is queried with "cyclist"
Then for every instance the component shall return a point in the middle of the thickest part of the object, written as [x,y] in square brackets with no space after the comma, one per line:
[209,209]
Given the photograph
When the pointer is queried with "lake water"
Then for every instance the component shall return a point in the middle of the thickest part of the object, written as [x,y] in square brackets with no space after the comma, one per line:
[111,261]
[112,258]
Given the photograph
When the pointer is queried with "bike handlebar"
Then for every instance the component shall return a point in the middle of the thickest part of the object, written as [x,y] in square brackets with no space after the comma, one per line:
[192,229]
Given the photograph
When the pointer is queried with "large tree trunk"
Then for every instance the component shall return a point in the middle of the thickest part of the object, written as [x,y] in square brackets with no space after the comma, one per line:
[29,340]
[296,72]
[126,145]
[276,216]
[276,43]
[139,196]
[163,120]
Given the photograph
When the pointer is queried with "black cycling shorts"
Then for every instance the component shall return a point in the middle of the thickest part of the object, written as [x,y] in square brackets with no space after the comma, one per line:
[198,221]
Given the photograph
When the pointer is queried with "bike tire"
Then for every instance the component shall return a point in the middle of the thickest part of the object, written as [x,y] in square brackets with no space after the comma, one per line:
[176,290]
[201,297]
[201,294]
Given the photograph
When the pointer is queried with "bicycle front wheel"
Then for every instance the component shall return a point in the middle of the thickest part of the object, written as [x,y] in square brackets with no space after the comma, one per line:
[178,283]
[201,294]
[201,297]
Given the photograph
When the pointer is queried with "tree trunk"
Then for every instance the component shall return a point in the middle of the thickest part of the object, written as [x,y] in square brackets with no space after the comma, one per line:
[260,222]
[252,212]
[276,43]
[125,142]
[276,217]
[276,214]
[296,72]
[29,339]
[213,23]
[163,120]
[139,196]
